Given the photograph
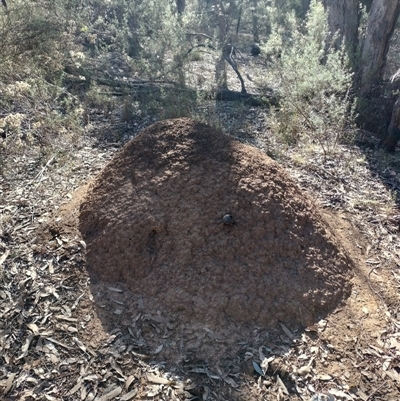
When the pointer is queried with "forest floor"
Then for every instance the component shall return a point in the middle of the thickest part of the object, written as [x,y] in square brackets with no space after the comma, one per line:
[53,341]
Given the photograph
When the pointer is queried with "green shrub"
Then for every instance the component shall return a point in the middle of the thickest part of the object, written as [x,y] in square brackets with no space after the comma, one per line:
[37,114]
[314,84]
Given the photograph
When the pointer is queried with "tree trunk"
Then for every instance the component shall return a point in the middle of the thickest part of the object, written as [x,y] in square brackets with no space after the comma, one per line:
[343,20]
[393,133]
[180,6]
[381,22]
[254,11]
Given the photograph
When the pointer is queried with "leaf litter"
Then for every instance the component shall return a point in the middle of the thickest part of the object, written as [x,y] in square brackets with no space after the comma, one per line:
[53,347]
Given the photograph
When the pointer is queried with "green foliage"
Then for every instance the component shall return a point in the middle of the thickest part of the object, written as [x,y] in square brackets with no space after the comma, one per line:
[148,32]
[195,56]
[35,39]
[314,84]
[61,60]
[36,112]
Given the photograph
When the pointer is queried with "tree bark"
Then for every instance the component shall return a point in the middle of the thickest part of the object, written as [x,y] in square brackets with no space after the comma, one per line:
[389,141]
[381,23]
[343,20]
[180,6]
[256,35]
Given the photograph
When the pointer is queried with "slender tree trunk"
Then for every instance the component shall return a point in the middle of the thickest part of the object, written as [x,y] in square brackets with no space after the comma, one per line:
[343,20]
[381,22]
[222,14]
[389,141]
[256,35]
[180,6]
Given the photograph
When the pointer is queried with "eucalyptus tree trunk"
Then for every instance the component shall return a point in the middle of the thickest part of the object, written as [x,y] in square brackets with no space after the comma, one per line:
[180,6]
[382,19]
[381,23]
[256,35]
[389,141]
[343,19]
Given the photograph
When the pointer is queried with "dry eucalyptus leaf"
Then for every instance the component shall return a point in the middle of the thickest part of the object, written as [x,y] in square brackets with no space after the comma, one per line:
[206,393]
[79,344]
[340,394]
[287,331]
[4,256]
[114,289]
[83,393]
[72,329]
[25,346]
[156,379]
[129,396]
[91,378]
[90,397]
[68,319]
[118,302]
[33,327]
[264,365]
[230,381]
[155,390]
[158,350]
[304,370]
[9,382]
[75,388]
[282,385]
[324,377]
[257,368]
[111,394]
[129,381]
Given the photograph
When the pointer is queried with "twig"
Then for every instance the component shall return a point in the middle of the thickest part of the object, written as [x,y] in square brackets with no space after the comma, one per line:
[201,45]
[199,34]
[377,389]
[4,256]
[40,173]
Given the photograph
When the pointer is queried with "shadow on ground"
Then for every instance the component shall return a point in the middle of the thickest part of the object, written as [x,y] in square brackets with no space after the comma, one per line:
[383,165]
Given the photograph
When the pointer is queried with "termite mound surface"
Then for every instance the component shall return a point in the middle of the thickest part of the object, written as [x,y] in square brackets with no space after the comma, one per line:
[212,231]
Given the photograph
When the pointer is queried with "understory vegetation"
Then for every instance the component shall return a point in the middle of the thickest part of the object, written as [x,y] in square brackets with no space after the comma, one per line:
[63,62]
[315,83]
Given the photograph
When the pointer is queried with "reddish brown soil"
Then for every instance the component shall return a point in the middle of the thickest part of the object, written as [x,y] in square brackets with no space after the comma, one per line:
[153,219]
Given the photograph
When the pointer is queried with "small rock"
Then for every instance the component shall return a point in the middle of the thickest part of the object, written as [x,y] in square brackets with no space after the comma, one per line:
[228,219]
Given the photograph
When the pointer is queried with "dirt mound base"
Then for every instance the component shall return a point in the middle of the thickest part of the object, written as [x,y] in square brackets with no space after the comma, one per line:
[154,219]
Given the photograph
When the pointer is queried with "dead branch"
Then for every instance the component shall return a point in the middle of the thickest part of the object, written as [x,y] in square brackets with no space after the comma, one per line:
[228,52]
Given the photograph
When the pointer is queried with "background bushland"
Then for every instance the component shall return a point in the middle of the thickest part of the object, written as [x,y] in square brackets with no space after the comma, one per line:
[60,60]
